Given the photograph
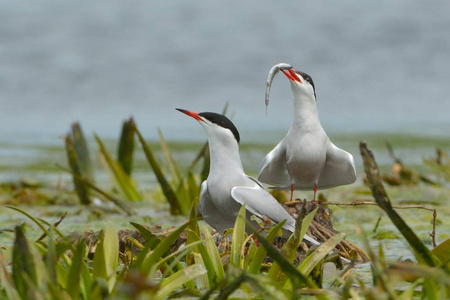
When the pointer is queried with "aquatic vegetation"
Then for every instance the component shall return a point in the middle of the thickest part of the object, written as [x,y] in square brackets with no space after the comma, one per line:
[61,265]
[79,162]
[440,165]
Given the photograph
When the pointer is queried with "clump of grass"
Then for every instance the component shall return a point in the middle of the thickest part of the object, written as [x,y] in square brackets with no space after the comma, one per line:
[60,266]
[178,189]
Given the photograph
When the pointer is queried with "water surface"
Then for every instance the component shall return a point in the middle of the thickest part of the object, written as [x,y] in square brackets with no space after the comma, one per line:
[378,68]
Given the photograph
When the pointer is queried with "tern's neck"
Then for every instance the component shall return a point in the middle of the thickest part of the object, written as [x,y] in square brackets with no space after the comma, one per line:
[224,156]
[305,112]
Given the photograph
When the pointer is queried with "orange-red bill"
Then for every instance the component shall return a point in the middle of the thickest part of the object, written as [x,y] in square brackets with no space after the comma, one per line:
[295,75]
[291,75]
[192,114]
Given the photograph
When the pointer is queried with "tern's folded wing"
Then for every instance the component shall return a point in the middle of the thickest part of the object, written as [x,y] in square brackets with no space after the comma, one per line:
[339,168]
[260,203]
[273,170]
[210,213]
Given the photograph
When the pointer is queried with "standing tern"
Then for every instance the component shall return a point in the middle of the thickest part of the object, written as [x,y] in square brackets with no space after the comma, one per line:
[227,187]
[305,159]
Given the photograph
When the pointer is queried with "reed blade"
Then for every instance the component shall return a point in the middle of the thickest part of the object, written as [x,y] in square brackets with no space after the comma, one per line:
[82,152]
[260,255]
[296,277]
[167,189]
[237,255]
[74,275]
[123,183]
[74,164]
[23,266]
[379,193]
[320,253]
[126,146]
[175,172]
[289,249]
[106,256]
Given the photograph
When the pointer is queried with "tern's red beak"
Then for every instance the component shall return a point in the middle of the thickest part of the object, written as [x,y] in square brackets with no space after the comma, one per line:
[291,75]
[192,114]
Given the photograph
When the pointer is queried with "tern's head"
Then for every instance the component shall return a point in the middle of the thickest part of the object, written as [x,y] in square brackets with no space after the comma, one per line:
[216,125]
[301,83]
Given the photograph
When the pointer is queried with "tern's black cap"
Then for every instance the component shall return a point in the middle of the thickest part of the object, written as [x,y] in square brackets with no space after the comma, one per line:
[309,79]
[222,121]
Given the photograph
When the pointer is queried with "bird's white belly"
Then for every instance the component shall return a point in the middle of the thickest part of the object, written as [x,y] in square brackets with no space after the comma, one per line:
[305,162]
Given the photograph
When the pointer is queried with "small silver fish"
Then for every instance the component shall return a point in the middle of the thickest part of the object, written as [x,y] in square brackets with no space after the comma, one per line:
[272,73]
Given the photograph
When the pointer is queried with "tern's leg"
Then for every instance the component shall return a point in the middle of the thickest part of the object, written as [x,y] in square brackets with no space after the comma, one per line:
[292,191]
[315,190]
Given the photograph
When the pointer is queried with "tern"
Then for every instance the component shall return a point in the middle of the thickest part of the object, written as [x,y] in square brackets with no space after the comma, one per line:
[227,187]
[305,159]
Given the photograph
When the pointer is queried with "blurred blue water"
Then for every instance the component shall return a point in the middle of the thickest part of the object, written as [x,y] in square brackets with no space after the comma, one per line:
[377,68]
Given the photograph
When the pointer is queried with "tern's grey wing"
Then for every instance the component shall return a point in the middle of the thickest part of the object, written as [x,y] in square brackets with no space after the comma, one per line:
[339,168]
[260,203]
[273,170]
[210,213]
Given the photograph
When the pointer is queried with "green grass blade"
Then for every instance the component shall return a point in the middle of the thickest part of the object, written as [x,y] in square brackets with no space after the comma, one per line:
[251,251]
[50,256]
[175,172]
[202,154]
[36,221]
[173,282]
[213,252]
[126,146]
[237,257]
[193,187]
[82,152]
[121,179]
[207,261]
[149,237]
[161,249]
[296,277]
[225,108]
[289,249]
[81,189]
[266,287]
[74,275]
[193,232]
[140,258]
[194,235]
[232,284]
[23,265]
[258,258]
[182,193]
[206,164]
[6,282]
[53,227]
[306,222]
[106,256]
[319,254]
[165,186]
[64,244]
[178,254]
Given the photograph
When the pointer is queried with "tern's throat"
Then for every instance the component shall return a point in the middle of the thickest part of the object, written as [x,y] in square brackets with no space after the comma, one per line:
[224,157]
[305,112]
